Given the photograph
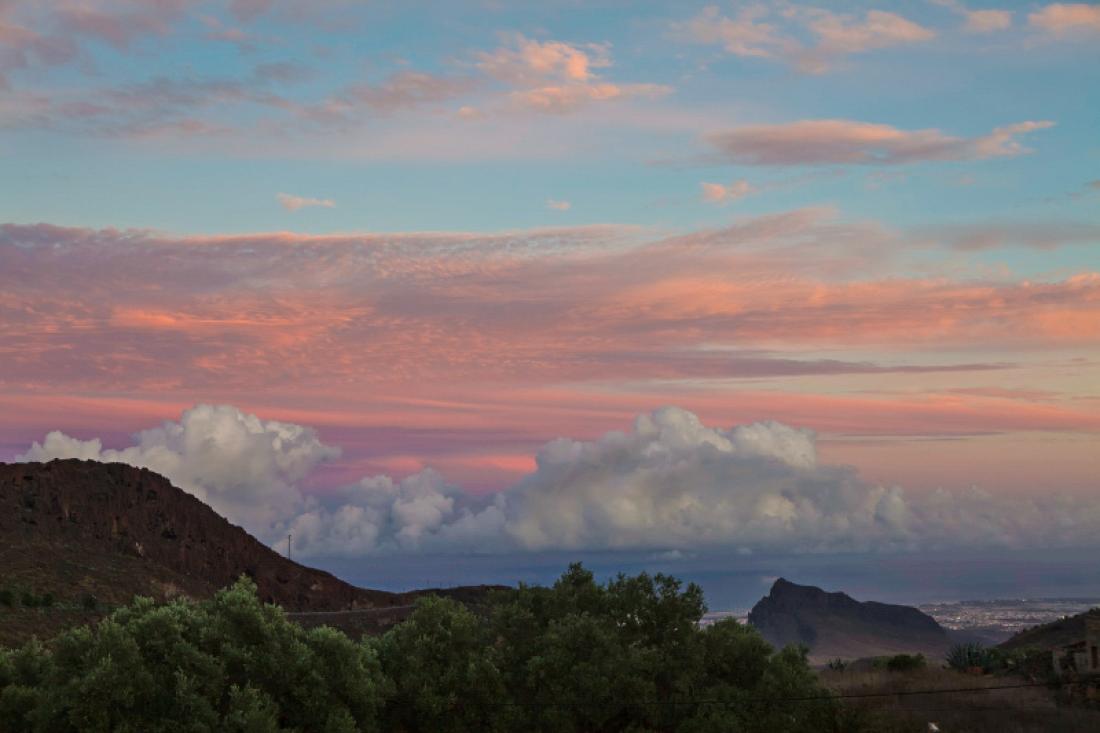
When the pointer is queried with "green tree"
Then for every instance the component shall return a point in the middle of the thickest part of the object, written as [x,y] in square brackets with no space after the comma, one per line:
[229,663]
[443,677]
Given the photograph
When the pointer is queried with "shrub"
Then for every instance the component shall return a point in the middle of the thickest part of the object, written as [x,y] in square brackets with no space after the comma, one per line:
[28,599]
[89,602]
[905,662]
[7,598]
[837,665]
[46,600]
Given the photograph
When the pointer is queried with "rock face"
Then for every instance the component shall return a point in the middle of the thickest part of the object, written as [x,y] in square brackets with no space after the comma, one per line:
[835,625]
[115,530]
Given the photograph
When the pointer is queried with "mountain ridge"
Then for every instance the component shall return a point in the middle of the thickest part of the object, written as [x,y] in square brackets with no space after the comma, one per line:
[833,624]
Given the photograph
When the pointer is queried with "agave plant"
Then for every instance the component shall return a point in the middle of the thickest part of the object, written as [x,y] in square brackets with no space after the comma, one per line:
[971,655]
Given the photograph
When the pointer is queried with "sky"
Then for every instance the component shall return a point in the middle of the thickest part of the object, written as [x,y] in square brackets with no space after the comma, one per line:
[657,284]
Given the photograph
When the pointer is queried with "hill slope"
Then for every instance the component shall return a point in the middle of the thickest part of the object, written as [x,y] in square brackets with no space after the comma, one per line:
[836,625]
[75,529]
[1052,635]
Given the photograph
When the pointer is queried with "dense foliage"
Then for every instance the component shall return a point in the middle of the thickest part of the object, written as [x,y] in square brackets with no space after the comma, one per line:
[577,656]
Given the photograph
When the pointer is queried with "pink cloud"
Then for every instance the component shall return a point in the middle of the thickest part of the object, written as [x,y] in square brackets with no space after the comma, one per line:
[758,31]
[717,193]
[557,77]
[22,47]
[988,21]
[528,61]
[744,35]
[820,142]
[1066,18]
[839,34]
[559,306]
[465,351]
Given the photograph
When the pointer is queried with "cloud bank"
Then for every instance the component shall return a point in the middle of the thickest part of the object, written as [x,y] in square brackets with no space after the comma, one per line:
[668,481]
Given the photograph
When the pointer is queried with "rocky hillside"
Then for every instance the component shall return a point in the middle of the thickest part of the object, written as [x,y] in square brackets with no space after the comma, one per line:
[77,537]
[835,625]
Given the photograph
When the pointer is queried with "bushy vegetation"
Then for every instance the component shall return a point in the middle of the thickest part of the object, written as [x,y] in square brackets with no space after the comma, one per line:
[905,662]
[577,656]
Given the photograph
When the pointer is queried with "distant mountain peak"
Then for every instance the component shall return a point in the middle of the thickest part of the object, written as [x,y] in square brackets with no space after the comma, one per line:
[833,624]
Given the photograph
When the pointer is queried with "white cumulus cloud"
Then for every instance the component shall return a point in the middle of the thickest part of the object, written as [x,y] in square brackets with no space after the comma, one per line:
[668,481]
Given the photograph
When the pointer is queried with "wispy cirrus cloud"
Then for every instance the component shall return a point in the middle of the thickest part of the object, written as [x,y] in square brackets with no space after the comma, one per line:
[849,142]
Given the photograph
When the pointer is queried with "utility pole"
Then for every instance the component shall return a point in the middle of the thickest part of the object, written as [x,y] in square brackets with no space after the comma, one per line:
[288,547]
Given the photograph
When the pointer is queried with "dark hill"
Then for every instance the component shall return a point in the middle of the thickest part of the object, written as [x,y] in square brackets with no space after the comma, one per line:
[80,531]
[836,625]
[1053,635]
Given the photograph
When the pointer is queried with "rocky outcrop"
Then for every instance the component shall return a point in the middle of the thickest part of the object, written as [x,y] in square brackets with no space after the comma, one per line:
[836,625]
